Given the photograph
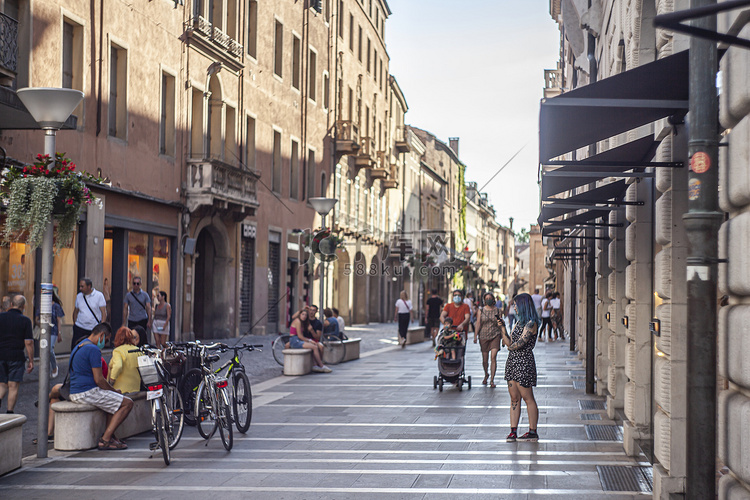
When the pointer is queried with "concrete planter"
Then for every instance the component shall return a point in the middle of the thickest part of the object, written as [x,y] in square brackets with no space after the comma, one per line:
[297,361]
[11,439]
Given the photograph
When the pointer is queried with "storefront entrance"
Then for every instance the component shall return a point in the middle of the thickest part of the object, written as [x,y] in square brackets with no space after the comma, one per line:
[211,307]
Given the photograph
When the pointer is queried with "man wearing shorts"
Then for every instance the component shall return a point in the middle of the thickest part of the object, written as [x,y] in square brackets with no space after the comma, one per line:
[88,385]
[16,335]
[432,313]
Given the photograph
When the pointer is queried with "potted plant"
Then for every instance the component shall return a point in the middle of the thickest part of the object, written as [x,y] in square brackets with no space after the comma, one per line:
[35,194]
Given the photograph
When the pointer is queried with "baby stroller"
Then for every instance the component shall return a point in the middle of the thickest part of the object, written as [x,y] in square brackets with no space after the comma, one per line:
[450,352]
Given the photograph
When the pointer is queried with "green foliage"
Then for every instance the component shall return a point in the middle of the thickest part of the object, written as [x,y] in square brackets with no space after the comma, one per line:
[461,205]
[523,236]
[34,194]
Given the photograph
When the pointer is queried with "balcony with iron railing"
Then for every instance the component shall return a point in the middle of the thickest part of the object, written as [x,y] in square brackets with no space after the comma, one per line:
[199,28]
[8,49]
[366,157]
[213,182]
[402,141]
[347,137]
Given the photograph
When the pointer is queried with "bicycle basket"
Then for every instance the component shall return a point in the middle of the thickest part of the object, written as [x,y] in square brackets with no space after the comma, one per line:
[193,359]
[174,361]
[147,369]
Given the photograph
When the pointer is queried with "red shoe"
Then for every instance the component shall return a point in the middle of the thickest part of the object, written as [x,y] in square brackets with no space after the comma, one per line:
[511,437]
[529,436]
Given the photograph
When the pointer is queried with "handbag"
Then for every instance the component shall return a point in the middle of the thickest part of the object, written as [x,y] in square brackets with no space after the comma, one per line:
[160,325]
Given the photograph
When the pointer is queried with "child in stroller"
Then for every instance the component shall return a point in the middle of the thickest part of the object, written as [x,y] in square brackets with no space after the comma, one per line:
[448,339]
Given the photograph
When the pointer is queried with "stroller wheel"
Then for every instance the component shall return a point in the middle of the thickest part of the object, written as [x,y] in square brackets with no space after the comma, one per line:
[460,385]
[440,385]
[434,382]
[468,383]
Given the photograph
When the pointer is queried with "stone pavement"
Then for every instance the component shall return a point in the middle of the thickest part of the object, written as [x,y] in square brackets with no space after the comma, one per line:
[374,428]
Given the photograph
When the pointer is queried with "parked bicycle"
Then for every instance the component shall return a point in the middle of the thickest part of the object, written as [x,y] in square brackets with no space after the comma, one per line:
[167,414]
[210,398]
[242,395]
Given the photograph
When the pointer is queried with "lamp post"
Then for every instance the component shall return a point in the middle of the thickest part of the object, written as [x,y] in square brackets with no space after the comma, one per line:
[322,206]
[50,107]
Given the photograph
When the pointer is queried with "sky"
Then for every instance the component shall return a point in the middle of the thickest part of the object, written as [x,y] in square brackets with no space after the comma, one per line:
[474,69]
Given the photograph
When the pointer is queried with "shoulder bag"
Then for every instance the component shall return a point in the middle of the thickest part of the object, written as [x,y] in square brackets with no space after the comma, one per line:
[92,311]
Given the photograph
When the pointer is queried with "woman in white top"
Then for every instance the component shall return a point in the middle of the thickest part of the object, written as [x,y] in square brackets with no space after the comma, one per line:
[556,317]
[546,322]
[403,316]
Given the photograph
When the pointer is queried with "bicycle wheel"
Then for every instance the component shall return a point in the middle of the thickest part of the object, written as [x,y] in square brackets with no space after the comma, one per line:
[161,431]
[224,418]
[278,347]
[176,413]
[335,348]
[242,402]
[205,413]
[188,387]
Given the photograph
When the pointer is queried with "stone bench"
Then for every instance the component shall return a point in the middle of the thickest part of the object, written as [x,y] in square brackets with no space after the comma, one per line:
[351,347]
[297,361]
[79,426]
[11,442]
[415,335]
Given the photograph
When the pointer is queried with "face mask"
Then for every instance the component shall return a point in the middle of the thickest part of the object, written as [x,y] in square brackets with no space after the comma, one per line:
[457,299]
[100,343]
[490,302]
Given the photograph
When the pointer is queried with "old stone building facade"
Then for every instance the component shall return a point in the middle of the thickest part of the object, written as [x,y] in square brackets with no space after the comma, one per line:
[613,200]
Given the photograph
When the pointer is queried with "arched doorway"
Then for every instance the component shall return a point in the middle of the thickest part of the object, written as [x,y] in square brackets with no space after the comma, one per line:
[359,314]
[340,295]
[211,307]
[376,302]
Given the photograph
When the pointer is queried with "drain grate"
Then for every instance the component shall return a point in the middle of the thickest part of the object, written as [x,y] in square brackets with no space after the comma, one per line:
[590,416]
[604,432]
[626,478]
[579,384]
[591,404]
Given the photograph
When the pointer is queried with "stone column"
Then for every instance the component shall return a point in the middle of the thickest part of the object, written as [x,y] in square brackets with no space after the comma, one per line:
[616,344]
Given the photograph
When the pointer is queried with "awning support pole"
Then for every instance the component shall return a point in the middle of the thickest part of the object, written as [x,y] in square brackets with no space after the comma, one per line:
[702,223]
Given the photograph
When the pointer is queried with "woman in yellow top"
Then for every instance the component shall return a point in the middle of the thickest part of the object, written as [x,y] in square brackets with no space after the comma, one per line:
[123,368]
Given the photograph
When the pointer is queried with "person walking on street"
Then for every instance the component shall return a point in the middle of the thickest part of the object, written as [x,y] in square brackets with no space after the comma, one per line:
[16,336]
[88,385]
[520,367]
[489,329]
[432,313]
[469,301]
[556,316]
[458,311]
[403,314]
[137,306]
[537,299]
[511,313]
[546,329]
[162,314]
[90,310]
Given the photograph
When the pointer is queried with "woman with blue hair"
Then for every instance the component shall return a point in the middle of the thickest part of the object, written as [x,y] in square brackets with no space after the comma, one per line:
[520,367]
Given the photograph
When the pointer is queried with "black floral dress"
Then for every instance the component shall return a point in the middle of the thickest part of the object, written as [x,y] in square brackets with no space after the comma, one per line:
[520,365]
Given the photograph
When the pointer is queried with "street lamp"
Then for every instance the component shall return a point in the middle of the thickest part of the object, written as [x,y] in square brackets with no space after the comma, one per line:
[322,206]
[51,108]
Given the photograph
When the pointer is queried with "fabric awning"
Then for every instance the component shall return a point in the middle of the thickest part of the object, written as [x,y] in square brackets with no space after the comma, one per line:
[613,105]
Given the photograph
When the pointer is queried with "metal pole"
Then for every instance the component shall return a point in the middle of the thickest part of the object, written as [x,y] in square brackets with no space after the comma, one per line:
[322,271]
[573,303]
[45,318]
[702,224]
[590,316]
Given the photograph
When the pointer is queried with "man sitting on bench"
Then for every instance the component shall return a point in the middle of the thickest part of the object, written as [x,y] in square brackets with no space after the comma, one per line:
[88,385]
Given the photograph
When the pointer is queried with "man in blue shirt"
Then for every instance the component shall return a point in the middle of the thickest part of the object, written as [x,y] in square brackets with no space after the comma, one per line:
[88,385]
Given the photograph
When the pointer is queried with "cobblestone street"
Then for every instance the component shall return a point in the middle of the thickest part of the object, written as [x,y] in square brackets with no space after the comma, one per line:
[374,428]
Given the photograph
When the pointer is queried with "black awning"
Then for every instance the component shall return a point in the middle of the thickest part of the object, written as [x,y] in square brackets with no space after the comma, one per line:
[590,202]
[614,105]
[576,174]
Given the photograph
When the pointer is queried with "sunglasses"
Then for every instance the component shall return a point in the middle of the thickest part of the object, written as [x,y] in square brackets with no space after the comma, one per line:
[136,282]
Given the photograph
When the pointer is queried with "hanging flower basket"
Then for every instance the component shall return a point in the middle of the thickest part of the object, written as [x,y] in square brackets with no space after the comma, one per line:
[323,243]
[35,194]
